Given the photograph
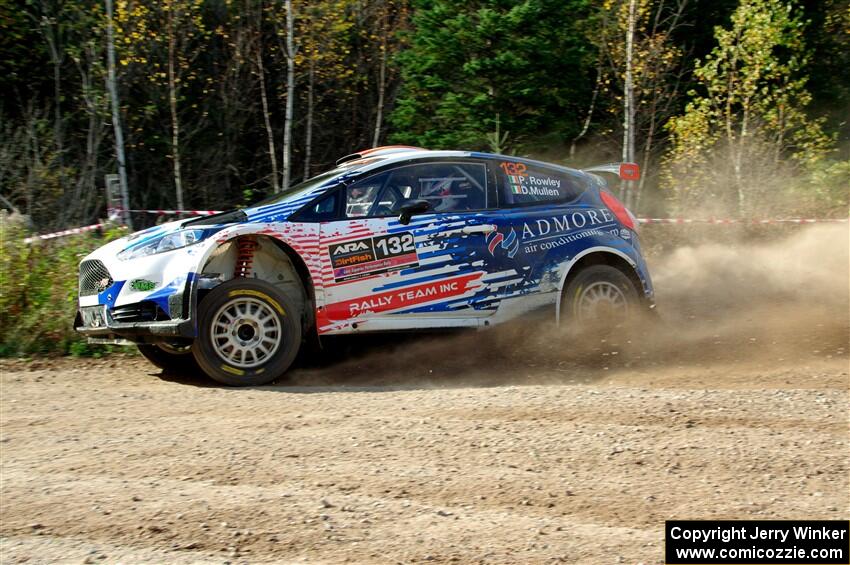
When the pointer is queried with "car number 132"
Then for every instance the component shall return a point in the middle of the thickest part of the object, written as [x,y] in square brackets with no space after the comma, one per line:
[394,245]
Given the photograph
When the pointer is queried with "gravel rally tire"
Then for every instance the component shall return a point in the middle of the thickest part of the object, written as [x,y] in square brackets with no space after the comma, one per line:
[169,357]
[599,296]
[248,333]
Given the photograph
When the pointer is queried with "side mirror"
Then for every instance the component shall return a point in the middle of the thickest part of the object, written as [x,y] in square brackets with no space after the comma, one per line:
[411,208]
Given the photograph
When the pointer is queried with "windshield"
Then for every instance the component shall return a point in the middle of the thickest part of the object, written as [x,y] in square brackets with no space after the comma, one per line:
[299,188]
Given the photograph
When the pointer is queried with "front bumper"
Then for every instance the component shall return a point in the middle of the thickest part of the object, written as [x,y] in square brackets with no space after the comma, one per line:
[98,322]
[139,332]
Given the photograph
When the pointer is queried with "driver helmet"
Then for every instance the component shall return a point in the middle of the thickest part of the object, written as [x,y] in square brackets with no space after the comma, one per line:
[443,194]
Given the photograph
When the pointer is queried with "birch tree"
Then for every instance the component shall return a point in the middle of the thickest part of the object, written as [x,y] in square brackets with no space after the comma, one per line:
[115,105]
[324,27]
[165,38]
[285,32]
[259,53]
[748,115]
[629,97]
[642,71]
[87,52]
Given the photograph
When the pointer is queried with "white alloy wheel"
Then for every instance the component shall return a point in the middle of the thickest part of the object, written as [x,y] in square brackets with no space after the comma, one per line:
[601,300]
[246,332]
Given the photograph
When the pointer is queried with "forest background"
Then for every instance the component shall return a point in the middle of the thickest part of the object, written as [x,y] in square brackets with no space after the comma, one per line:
[733,108]
[731,104]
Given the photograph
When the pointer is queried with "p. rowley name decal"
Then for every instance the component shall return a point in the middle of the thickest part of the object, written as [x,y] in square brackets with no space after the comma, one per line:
[532,184]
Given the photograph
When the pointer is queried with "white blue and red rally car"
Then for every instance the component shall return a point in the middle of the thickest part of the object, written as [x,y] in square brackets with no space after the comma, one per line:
[394,239]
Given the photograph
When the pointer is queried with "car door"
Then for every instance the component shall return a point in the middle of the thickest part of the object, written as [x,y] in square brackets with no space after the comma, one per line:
[376,268]
[543,222]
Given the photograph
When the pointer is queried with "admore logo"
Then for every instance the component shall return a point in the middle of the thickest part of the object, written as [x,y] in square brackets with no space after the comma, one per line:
[509,243]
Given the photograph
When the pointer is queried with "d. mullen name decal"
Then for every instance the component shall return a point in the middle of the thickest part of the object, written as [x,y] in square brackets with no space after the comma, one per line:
[372,255]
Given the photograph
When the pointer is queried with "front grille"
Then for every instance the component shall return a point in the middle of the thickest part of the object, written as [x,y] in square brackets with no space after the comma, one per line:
[139,312]
[94,277]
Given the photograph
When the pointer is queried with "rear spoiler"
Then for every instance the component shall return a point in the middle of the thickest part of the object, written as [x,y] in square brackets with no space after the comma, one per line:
[626,171]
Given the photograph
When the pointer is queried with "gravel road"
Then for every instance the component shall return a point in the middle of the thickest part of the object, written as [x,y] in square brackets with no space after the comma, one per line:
[511,446]
[109,461]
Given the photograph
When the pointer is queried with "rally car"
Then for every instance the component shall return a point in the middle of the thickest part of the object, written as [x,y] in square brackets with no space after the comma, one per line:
[393,239]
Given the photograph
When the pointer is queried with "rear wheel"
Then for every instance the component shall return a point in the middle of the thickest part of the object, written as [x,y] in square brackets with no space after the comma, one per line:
[599,297]
[248,333]
[169,357]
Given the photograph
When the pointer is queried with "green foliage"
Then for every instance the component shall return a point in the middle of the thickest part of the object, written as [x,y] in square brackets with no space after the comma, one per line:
[747,126]
[471,64]
[498,141]
[248,197]
[508,75]
[828,35]
[20,47]
[824,189]
[38,291]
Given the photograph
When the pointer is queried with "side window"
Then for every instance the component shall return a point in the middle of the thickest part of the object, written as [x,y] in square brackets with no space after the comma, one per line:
[360,197]
[448,187]
[322,211]
[525,184]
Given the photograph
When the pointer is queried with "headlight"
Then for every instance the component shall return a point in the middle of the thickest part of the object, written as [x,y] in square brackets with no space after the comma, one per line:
[165,243]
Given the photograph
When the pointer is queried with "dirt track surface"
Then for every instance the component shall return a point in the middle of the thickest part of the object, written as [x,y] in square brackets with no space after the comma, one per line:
[109,461]
[517,445]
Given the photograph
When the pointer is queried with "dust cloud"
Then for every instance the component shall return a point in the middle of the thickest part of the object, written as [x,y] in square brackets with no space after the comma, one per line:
[773,303]
[807,268]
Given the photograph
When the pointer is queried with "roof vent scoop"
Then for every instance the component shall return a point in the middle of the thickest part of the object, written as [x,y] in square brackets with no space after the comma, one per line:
[376,151]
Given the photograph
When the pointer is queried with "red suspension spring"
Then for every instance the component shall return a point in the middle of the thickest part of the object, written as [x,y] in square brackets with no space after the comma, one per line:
[245,248]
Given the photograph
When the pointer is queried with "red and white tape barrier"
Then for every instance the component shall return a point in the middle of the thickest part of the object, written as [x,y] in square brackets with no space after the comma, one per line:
[737,221]
[175,212]
[71,231]
[117,211]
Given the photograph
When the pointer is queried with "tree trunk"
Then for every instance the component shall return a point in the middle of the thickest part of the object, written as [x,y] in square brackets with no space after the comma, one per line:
[86,179]
[647,154]
[382,79]
[35,163]
[780,136]
[266,114]
[172,103]
[308,142]
[290,95]
[629,104]
[589,116]
[56,61]
[739,159]
[116,119]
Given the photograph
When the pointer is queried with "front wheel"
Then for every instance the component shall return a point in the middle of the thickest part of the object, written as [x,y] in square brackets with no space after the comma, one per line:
[599,297]
[248,333]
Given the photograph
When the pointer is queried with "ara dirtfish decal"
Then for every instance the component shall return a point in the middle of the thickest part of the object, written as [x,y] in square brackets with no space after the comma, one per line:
[372,255]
